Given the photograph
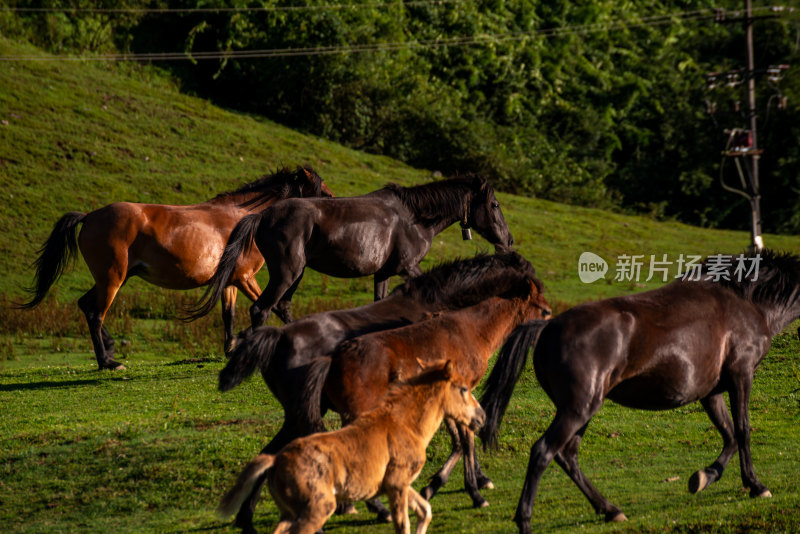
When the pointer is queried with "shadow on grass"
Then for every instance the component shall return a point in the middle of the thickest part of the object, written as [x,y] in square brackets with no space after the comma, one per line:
[34,386]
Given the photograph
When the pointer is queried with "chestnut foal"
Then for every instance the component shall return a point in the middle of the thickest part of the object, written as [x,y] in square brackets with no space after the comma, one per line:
[381,451]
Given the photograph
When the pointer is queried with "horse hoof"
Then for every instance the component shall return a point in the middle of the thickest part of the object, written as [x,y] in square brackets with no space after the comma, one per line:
[346,508]
[426,493]
[488,485]
[615,517]
[384,517]
[112,365]
[766,494]
[483,503]
[698,482]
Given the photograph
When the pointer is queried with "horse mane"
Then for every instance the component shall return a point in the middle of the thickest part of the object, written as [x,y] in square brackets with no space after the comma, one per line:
[279,184]
[463,282]
[777,283]
[429,201]
[398,388]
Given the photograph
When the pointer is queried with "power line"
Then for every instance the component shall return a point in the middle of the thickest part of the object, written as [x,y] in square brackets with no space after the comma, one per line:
[145,10]
[654,20]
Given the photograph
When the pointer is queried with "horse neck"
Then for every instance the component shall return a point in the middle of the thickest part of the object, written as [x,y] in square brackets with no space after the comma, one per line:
[422,405]
[447,214]
[780,316]
[416,410]
[494,319]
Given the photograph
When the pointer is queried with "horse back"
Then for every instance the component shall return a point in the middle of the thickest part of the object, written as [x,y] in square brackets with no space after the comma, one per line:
[654,350]
[176,247]
[327,462]
[343,237]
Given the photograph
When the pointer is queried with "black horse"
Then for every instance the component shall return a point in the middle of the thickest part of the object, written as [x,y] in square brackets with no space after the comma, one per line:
[691,340]
[384,233]
[287,356]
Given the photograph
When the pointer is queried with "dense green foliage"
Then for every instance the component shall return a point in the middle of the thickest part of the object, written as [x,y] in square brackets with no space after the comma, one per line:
[597,104]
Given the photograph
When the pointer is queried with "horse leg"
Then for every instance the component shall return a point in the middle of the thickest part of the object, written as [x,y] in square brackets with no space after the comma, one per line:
[381,286]
[108,341]
[262,307]
[470,469]
[244,517]
[95,304]
[440,478]
[421,508]
[247,285]
[718,413]
[484,482]
[398,502]
[375,506]
[568,460]
[284,307]
[565,425]
[740,399]
[228,314]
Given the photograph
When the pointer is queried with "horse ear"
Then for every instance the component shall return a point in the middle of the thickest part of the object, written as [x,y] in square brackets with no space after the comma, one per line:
[448,370]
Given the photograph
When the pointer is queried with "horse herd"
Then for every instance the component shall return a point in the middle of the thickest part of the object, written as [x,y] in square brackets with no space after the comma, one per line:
[396,368]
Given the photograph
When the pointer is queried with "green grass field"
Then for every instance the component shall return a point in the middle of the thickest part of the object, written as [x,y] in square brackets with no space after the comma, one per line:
[152,448]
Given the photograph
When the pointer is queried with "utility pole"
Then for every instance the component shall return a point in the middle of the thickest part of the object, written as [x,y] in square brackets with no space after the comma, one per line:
[742,145]
[757,243]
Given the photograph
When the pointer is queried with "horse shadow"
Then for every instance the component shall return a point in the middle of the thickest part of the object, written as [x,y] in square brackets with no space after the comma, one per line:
[49,384]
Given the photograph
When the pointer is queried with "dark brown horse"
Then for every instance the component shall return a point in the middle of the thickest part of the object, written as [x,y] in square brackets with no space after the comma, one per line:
[359,373]
[383,451]
[176,247]
[285,355]
[383,233]
[691,340]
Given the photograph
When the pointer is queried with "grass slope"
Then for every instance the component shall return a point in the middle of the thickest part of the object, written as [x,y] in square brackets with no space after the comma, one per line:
[152,448]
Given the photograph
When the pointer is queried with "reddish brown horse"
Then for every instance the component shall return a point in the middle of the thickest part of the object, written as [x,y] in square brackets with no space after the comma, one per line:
[692,340]
[176,247]
[382,451]
[359,373]
[285,355]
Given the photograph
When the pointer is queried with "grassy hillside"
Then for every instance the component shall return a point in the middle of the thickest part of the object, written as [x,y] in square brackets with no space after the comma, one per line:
[79,135]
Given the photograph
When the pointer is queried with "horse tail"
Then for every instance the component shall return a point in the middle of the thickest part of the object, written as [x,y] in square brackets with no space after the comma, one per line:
[253,350]
[507,370]
[239,243]
[54,256]
[232,501]
[311,396]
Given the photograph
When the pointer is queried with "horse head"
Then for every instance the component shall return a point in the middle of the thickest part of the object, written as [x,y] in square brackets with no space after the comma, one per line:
[310,183]
[482,212]
[525,286]
[459,402]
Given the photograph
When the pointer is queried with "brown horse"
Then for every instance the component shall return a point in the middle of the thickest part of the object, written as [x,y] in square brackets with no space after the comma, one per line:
[284,355]
[691,340]
[382,451]
[359,373]
[176,247]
